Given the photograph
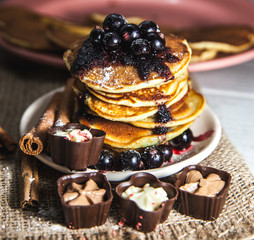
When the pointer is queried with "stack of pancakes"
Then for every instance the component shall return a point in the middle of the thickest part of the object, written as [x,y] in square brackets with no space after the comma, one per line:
[136,113]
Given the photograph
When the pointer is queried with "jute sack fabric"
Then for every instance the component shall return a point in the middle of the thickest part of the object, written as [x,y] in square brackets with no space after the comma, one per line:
[235,222]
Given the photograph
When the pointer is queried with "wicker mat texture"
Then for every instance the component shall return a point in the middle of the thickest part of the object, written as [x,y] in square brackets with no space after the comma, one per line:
[22,84]
[235,222]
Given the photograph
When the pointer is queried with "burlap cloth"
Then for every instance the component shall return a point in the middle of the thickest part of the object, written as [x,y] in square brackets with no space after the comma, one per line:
[21,82]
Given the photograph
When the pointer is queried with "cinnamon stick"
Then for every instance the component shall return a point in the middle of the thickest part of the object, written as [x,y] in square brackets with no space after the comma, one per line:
[29,182]
[65,111]
[34,141]
[3,152]
[7,141]
[7,144]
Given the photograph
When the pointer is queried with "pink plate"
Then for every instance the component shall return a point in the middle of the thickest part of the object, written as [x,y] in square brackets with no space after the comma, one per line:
[176,13]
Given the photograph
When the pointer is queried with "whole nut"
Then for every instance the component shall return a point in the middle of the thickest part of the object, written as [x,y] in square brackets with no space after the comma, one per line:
[193,176]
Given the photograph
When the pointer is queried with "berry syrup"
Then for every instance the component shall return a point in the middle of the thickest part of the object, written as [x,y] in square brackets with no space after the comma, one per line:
[91,55]
[203,136]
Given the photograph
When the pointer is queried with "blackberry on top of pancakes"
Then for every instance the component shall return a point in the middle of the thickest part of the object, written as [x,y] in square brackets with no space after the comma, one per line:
[132,82]
[122,66]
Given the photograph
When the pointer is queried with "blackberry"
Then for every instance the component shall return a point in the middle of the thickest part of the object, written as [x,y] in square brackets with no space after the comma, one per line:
[129,32]
[171,58]
[97,35]
[146,64]
[113,22]
[130,160]
[106,161]
[162,69]
[182,141]
[144,68]
[152,158]
[127,59]
[148,27]
[157,43]
[160,130]
[166,151]
[140,47]
[96,54]
[80,62]
[163,115]
[111,41]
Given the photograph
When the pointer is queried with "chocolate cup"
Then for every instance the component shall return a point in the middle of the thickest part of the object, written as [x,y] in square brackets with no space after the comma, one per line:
[132,215]
[75,155]
[202,207]
[85,216]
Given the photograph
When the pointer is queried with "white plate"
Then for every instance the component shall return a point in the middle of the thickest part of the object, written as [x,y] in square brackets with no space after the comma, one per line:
[200,150]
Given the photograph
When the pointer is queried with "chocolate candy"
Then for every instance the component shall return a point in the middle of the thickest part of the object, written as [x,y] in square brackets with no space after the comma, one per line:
[75,155]
[85,198]
[205,202]
[131,214]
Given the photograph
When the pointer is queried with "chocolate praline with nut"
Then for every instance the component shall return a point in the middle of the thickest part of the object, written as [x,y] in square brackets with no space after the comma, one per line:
[202,206]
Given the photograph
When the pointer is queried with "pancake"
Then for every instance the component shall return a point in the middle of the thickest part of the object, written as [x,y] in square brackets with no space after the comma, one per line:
[64,33]
[135,113]
[203,55]
[62,37]
[28,32]
[223,38]
[147,96]
[123,135]
[122,113]
[191,109]
[67,26]
[119,78]
[8,13]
